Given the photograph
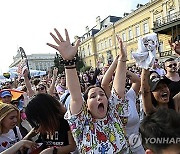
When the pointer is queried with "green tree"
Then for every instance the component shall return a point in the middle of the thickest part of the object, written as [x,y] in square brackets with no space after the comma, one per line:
[58,62]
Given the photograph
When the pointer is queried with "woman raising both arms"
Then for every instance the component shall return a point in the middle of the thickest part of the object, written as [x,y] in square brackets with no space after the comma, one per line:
[95,124]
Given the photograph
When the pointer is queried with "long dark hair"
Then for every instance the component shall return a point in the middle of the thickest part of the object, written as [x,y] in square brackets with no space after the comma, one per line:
[44,111]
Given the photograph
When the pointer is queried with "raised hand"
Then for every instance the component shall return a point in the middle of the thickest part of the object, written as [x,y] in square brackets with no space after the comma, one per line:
[55,71]
[64,47]
[175,46]
[29,144]
[25,73]
[122,51]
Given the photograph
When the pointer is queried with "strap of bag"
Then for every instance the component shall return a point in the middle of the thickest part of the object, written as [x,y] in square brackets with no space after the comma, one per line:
[16,135]
[64,100]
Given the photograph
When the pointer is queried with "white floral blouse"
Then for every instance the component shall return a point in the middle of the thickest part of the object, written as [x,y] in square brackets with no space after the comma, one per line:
[105,136]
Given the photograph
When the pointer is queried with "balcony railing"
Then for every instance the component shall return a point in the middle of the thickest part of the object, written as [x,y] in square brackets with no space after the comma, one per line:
[166,20]
[166,53]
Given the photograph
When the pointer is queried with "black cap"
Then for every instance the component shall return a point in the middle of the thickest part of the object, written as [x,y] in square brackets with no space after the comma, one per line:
[153,82]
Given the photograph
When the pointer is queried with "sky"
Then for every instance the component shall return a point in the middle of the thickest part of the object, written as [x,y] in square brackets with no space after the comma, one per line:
[27,23]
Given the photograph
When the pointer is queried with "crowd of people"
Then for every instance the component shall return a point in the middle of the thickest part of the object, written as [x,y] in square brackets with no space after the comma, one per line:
[101,110]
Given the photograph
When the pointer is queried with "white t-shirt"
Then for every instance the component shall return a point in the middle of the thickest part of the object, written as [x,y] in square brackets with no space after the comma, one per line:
[133,123]
[9,139]
[141,113]
[67,102]
[68,99]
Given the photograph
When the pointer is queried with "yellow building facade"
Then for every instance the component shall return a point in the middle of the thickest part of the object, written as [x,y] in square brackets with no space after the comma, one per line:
[99,45]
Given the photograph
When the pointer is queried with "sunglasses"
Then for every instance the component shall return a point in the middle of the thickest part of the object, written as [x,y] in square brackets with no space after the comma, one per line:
[40,88]
[171,65]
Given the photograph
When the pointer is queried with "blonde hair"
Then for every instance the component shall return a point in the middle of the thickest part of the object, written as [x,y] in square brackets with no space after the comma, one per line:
[5,109]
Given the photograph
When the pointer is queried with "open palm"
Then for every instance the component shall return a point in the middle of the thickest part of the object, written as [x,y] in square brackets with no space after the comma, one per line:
[64,47]
[122,51]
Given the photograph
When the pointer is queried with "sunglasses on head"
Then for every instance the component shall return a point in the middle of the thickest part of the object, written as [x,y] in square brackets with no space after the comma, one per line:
[171,65]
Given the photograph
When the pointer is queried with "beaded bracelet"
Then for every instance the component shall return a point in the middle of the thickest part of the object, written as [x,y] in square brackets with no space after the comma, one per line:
[121,60]
[69,62]
[70,67]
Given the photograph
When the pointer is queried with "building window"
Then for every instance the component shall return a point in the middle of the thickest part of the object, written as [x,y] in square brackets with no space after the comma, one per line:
[83,53]
[90,63]
[131,57]
[158,21]
[105,44]
[171,15]
[80,53]
[41,67]
[110,42]
[45,67]
[109,57]
[102,47]
[130,34]
[98,47]
[146,28]
[89,52]
[123,36]
[137,31]
[160,46]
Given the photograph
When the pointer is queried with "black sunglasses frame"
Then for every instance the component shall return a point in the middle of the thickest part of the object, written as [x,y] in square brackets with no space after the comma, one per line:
[171,65]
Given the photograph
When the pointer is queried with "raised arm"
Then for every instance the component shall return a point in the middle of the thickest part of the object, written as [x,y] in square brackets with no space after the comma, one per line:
[108,76]
[175,46]
[136,81]
[52,86]
[15,83]
[176,99]
[96,73]
[21,144]
[120,75]
[68,53]
[28,84]
[145,91]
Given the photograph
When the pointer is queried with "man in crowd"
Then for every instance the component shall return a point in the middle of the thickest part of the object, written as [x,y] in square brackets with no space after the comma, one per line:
[61,85]
[173,76]
[161,132]
[6,96]
[157,68]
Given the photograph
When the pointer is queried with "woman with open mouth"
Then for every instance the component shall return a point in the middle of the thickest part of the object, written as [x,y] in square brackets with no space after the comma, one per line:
[155,93]
[95,124]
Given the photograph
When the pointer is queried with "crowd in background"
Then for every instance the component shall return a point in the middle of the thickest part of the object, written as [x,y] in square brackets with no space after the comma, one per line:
[101,110]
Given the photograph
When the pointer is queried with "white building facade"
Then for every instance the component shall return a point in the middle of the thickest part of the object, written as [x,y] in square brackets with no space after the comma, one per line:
[36,61]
